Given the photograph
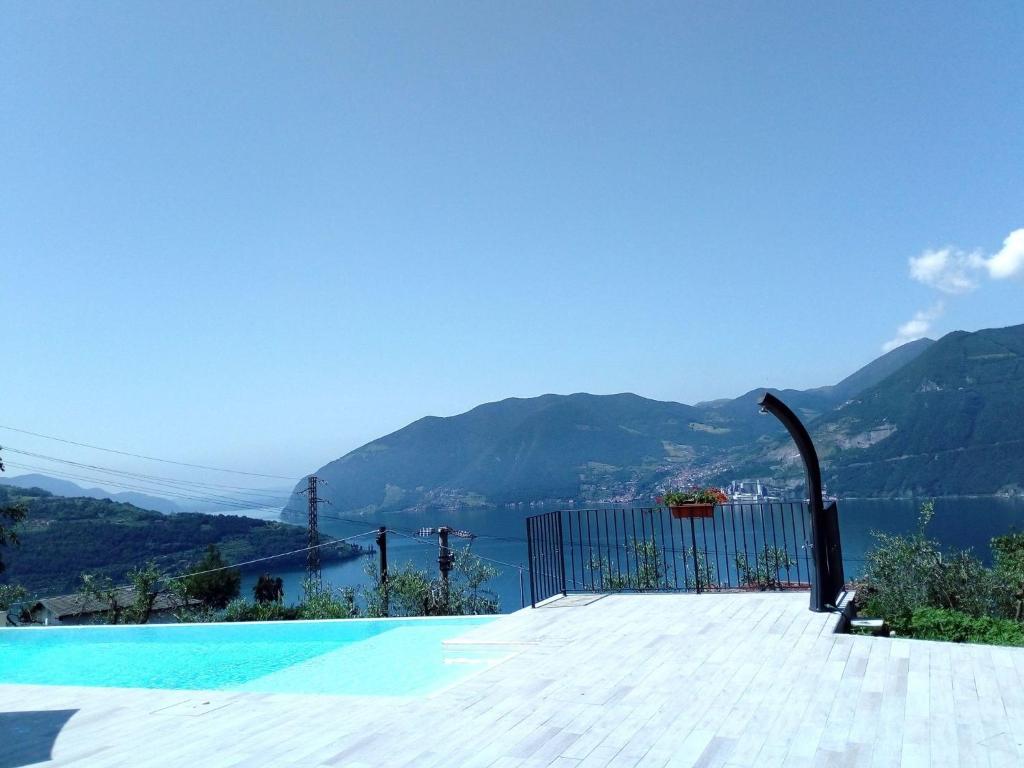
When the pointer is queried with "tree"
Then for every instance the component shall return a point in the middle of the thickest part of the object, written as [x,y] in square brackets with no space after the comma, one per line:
[212,581]
[10,516]
[268,589]
[1008,572]
[132,605]
[10,594]
[411,591]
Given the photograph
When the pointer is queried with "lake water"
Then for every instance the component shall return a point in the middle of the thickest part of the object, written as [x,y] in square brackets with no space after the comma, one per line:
[964,522]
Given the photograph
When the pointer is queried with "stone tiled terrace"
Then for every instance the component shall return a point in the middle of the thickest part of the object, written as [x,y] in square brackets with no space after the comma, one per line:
[623,680]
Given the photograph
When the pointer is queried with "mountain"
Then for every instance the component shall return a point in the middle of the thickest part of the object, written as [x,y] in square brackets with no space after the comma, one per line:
[878,370]
[950,421]
[588,448]
[66,488]
[61,538]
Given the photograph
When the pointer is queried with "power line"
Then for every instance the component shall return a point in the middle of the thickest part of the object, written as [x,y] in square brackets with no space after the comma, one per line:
[272,557]
[419,540]
[239,504]
[159,479]
[156,487]
[143,456]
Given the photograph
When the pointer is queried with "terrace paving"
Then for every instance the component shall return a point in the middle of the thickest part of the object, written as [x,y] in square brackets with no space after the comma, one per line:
[619,681]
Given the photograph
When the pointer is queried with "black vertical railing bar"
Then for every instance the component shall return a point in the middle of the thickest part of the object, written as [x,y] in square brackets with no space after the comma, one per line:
[664,552]
[746,559]
[735,540]
[552,579]
[641,583]
[696,556]
[764,538]
[572,552]
[725,580]
[590,552]
[707,558]
[785,546]
[608,545]
[561,554]
[544,570]
[686,564]
[796,541]
[636,551]
[714,539]
[529,560]
[618,551]
[543,560]
[753,537]
[620,517]
[808,553]
[675,561]
[600,559]
[579,530]
[774,541]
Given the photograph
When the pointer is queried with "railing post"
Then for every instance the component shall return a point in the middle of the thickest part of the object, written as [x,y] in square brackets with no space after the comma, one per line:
[696,559]
[382,548]
[561,554]
[529,559]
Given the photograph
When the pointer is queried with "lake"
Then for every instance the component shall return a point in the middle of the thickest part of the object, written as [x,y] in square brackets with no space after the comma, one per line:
[962,522]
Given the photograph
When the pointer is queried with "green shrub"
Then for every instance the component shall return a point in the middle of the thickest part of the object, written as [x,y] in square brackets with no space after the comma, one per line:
[764,573]
[10,594]
[644,568]
[1008,575]
[322,601]
[411,591]
[905,573]
[959,627]
[248,610]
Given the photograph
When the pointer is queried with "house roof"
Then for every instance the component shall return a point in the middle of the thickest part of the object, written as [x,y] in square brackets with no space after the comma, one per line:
[62,606]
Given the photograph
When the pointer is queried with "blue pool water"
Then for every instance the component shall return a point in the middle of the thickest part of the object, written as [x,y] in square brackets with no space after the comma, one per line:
[390,657]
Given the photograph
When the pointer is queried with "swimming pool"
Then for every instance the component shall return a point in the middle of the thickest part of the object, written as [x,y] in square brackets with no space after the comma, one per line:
[382,657]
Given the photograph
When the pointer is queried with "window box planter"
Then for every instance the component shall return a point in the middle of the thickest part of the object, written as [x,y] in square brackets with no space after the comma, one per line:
[683,511]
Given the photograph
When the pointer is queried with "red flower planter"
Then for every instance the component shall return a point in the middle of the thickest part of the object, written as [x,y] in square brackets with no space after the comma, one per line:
[693,510]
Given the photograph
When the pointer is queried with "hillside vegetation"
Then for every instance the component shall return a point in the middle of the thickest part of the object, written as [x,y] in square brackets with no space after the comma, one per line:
[949,422]
[63,537]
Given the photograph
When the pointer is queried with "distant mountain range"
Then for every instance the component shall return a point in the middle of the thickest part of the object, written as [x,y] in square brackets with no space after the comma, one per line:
[934,418]
[60,487]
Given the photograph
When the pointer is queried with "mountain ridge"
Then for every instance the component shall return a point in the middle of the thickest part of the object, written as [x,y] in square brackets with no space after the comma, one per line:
[617,448]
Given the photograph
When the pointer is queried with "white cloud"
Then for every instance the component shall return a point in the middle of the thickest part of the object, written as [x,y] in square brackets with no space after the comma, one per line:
[954,271]
[1009,261]
[915,328]
[946,269]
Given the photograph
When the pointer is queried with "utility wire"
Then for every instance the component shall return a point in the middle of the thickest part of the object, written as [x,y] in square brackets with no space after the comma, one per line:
[160,489]
[238,504]
[272,557]
[147,458]
[158,479]
[453,550]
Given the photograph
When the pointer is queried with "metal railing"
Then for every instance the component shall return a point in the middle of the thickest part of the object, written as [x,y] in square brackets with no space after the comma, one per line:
[545,556]
[756,546]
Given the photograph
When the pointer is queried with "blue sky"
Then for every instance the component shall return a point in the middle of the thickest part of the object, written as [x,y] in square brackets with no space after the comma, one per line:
[259,235]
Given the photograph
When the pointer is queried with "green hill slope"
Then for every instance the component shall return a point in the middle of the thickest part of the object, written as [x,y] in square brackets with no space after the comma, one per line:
[63,537]
[949,422]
